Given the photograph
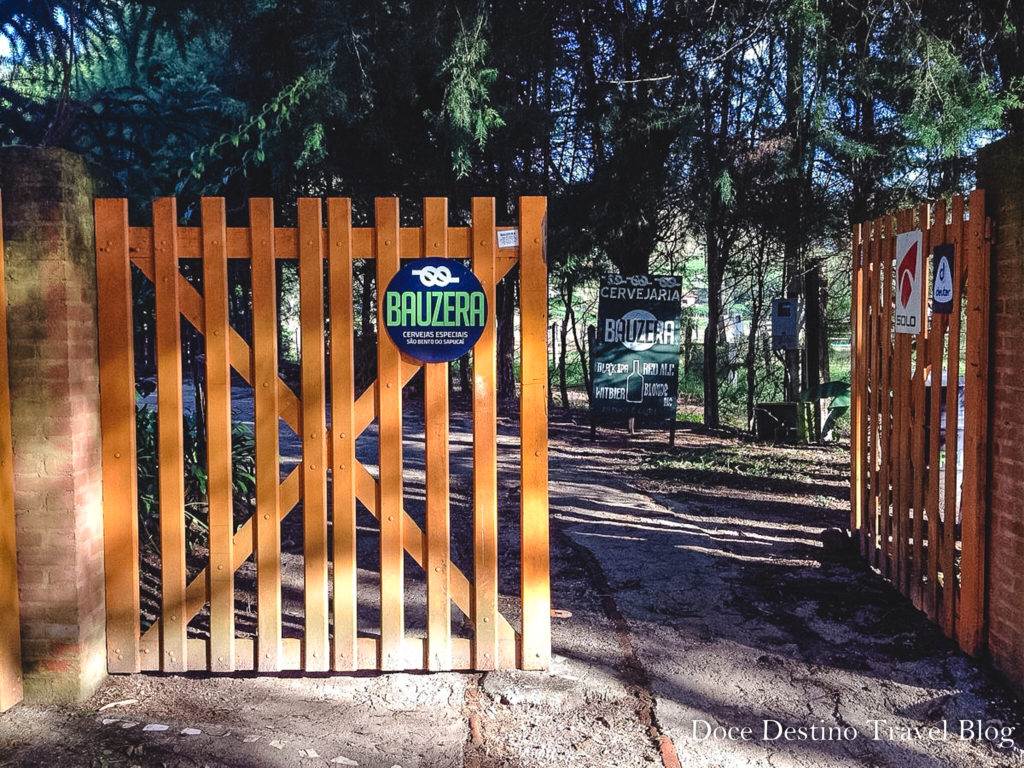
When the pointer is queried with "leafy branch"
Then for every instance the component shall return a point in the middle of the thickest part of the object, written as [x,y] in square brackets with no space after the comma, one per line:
[252,133]
[466,114]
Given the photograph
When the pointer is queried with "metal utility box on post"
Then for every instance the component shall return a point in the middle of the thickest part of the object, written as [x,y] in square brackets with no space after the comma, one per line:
[787,324]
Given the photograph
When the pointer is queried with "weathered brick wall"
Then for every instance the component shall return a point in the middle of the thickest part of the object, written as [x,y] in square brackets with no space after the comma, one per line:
[51,291]
[1001,175]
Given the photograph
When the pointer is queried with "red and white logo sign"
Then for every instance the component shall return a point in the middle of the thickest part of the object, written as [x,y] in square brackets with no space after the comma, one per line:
[909,277]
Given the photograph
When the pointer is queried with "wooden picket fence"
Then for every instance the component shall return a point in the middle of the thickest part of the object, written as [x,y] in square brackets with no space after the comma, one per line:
[329,480]
[10,633]
[918,502]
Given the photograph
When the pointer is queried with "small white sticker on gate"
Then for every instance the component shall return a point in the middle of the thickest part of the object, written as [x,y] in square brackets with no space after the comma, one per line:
[508,238]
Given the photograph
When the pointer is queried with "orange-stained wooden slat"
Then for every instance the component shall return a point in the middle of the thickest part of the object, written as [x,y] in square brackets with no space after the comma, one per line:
[875,280]
[218,437]
[880,394]
[265,432]
[901,401]
[170,441]
[936,339]
[877,289]
[900,386]
[896,380]
[912,467]
[877,251]
[921,364]
[867,280]
[389,420]
[535,568]
[867,406]
[857,363]
[485,447]
[971,614]
[908,477]
[10,617]
[343,433]
[117,419]
[885,478]
[950,506]
[435,403]
[316,646]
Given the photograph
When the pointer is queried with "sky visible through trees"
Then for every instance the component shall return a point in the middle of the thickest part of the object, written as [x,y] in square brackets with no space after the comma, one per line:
[732,143]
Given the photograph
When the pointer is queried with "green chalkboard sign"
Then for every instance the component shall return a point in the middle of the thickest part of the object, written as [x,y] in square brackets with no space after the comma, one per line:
[636,354]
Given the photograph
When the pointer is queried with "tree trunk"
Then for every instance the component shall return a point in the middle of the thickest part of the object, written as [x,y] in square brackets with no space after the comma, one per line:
[563,383]
[793,234]
[687,343]
[591,343]
[864,181]
[715,276]
[506,300]
[756,312]
[814,334]
[581,350]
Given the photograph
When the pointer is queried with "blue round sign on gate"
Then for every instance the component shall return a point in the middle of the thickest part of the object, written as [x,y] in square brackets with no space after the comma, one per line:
[434,309]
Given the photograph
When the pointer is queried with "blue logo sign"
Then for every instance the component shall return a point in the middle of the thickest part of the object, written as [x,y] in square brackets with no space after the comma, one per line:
[434,310]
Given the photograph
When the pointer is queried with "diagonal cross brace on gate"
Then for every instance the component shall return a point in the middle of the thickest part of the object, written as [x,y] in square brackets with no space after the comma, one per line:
[155,252]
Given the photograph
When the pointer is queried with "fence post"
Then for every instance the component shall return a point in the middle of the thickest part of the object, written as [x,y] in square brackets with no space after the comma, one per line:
[10,623]
[51,291]
[536,558]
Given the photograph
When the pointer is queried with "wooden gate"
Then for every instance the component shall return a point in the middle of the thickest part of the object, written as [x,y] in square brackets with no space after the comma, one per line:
[10,633]
[919,420]
[328,482]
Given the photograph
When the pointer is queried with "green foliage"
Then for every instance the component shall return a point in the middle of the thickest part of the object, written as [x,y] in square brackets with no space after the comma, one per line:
[314,149]
[742,136]
[949,104]
[250,138]
[723,184]
[466,116]
[46,41]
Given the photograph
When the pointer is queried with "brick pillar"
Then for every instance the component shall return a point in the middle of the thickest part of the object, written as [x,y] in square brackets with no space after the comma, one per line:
[1001,175]
[51,292]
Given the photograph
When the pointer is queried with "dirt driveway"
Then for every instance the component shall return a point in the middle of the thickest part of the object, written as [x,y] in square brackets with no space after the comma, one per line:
[700,622]
[765,641]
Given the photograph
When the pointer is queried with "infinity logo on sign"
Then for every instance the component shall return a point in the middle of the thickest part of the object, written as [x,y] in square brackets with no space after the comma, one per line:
[435,277]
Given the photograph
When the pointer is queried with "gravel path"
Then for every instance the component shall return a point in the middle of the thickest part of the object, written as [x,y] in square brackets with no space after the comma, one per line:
[765,648]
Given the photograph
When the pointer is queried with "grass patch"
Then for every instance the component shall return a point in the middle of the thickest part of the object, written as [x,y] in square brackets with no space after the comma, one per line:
[744,466]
